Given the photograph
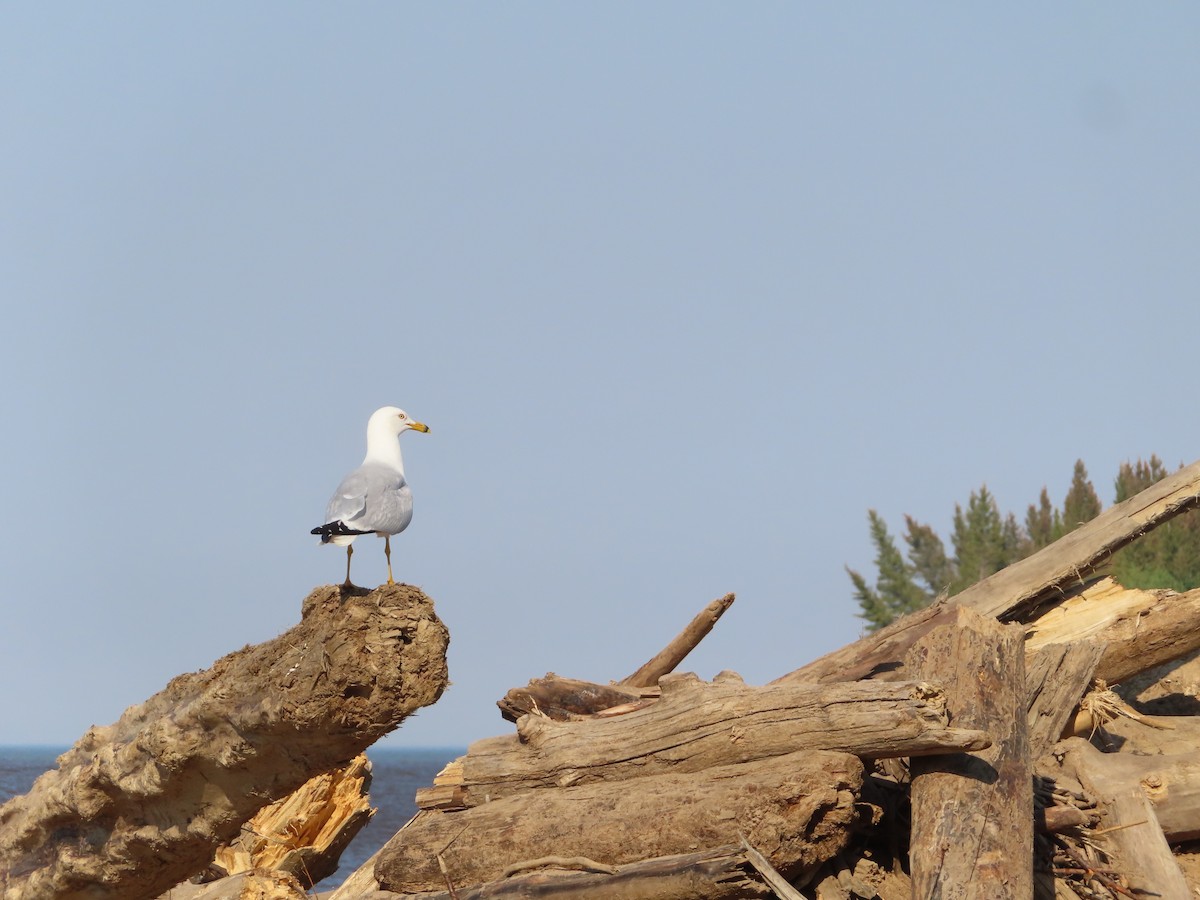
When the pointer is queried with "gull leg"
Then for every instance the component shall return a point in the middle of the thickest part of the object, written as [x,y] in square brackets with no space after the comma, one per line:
[349,553]
[387,551]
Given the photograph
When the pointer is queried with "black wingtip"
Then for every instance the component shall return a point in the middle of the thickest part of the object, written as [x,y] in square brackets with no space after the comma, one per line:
[330,530]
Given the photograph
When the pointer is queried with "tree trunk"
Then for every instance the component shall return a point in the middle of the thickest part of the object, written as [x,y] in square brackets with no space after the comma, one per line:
[972,813]
[797,810]
[136,807]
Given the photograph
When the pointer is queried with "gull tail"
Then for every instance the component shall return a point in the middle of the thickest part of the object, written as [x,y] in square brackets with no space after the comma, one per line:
[331,530]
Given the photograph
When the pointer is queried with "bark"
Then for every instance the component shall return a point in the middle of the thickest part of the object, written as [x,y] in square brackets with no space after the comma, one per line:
[723,873]
[698,725]
[797,811]
[1129,831]
[683,644]
[972,813]
[1016,592]
[136,807]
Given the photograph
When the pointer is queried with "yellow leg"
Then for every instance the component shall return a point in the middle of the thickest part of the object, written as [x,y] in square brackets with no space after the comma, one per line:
[387,551]
[349,553]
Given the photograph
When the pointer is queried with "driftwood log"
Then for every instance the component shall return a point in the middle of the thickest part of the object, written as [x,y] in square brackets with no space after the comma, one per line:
[972,813]
[138,806]
[798,811]
[697,725]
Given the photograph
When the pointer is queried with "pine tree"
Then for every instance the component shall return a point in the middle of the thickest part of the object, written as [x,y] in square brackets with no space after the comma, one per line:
[895,592]
[983,542]
[1081,503]
[928,556]
[1169,556]
[1042,522]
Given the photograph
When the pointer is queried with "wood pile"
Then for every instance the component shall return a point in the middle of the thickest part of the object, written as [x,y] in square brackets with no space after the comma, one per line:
[969,750]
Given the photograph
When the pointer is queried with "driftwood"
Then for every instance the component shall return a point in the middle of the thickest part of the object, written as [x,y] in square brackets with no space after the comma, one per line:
[1136,845]
[138,806]
[723,873]
[972,813]
[674,653]
[697,725]
[797,811]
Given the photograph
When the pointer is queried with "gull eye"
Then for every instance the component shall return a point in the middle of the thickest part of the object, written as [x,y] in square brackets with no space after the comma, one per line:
[402,417]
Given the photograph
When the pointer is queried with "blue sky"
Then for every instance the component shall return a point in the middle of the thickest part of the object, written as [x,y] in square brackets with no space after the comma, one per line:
[681,289]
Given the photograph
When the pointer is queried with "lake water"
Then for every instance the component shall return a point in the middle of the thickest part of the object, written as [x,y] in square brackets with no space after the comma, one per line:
[396,776]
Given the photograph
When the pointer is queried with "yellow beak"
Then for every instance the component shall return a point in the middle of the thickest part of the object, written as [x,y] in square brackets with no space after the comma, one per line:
[418,426]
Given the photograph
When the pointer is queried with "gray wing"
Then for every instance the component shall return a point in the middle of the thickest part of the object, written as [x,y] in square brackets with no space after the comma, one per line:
[371,498]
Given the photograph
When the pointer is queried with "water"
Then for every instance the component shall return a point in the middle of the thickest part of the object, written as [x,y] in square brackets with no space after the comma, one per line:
[396,776]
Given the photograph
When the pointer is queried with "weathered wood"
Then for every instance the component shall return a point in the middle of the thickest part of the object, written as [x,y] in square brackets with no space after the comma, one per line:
[684,643]
[723,873]
[972,813]
[1057,676]
[136,807]
[796,810]
[697,725]
[1129,831]
[1014,592]
[562,699]
[1170,780]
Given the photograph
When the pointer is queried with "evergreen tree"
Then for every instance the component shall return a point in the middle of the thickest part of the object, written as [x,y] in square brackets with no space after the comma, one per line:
[982,540]
[1081,504]
[1169,556]
[1042,522]
[895,592]
[928,556]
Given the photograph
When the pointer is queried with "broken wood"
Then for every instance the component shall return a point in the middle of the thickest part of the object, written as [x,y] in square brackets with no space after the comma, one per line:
[697,725]
[972,813]
[1137,629]
[136,807]
[796,810]
[305,832]
[684,643]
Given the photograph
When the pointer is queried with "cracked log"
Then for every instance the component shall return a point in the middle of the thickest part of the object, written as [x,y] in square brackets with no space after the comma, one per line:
[797,810]
[697,725]
[136,807]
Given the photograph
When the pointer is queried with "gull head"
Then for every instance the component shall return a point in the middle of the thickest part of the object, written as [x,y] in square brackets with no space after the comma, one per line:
[391,421]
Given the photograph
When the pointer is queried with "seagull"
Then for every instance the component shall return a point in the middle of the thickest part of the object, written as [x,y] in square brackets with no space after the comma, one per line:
[374,498]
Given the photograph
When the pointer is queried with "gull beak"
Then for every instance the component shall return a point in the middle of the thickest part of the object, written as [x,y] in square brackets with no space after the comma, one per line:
[418,426]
